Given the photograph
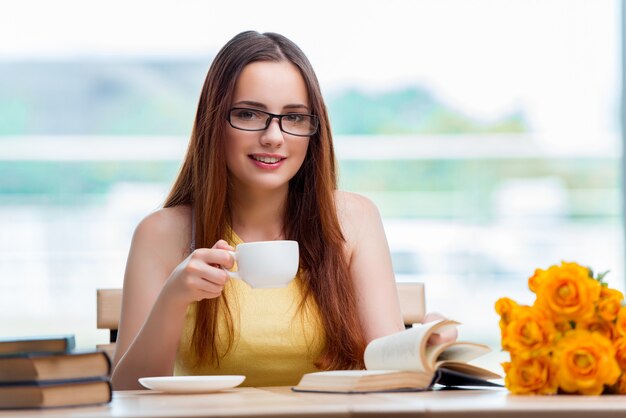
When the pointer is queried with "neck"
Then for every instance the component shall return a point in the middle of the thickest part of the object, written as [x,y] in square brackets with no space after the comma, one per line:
[257,215]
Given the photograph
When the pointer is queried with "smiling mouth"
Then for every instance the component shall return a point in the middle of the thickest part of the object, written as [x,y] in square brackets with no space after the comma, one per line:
[266,160]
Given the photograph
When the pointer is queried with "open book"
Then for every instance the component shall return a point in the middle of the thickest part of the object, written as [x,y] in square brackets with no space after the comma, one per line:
[404,361]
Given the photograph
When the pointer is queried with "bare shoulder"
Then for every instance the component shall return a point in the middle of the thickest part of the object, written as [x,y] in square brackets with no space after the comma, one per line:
[352,207]
[166,229]
[165,221]
[357,214]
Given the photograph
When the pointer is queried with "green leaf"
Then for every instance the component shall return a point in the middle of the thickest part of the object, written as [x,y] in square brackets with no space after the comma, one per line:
[600,276]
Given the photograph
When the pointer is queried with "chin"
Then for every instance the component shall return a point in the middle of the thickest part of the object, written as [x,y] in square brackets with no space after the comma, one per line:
[264,181]
[259,183]
[270,186]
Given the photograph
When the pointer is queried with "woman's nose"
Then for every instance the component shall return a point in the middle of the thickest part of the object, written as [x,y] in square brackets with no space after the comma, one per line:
[272,136]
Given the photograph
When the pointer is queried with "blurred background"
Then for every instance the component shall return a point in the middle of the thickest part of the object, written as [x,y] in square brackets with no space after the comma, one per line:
[489,133]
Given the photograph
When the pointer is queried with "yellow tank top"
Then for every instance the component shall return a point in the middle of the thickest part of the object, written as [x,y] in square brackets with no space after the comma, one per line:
[275,342]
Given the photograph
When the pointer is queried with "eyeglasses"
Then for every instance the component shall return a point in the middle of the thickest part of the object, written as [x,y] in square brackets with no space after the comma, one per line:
[298,124]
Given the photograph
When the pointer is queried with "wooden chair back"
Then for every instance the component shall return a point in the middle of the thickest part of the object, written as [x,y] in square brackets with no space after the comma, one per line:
[108,312]
[109,308]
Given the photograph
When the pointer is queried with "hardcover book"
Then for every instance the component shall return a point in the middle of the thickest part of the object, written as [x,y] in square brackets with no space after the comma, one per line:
[30,367]
[38,344]
[55,393]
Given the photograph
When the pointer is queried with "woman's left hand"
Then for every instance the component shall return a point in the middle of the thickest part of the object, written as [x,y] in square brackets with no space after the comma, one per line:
[443,337]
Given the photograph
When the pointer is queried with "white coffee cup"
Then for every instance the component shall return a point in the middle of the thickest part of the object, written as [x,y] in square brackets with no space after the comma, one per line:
[266,264]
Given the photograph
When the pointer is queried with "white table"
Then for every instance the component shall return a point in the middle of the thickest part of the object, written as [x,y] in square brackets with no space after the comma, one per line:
[282,402]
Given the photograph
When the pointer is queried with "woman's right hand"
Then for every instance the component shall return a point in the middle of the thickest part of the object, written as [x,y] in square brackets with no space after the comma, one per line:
[158,288]
[200,275]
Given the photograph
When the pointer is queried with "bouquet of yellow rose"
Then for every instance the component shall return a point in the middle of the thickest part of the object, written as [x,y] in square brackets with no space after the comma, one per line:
[571,340]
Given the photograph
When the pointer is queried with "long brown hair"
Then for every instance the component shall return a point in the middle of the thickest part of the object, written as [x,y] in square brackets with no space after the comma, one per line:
[310,216]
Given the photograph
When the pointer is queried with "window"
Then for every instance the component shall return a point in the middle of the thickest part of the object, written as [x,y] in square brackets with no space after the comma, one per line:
[488,133]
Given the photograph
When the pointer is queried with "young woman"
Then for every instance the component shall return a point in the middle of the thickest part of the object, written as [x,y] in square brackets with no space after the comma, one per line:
[260,166]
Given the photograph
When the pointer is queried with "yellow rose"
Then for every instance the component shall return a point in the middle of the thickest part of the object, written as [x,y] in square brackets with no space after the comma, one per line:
[620,385]
[607,292]
[609,303]
[504,308]
[597,325]
[535,280]
[568,293]
[529,332]
[563,327]
[530,376]
[585,362]
[620,323]
[620,352]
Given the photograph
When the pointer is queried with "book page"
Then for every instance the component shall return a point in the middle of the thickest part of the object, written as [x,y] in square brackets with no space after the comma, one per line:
[470,370]
[455,351]
[404,350]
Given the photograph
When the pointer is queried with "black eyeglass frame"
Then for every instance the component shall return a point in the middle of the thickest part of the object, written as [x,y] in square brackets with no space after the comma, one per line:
[314,121]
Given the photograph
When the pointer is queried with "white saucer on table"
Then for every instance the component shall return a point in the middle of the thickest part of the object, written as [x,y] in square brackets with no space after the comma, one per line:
[191,384]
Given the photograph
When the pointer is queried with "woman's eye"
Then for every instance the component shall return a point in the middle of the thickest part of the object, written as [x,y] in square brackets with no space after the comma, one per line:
[294,118]
[246,114]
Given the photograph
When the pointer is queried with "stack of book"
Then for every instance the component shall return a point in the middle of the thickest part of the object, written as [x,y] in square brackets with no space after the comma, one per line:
[43,372]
